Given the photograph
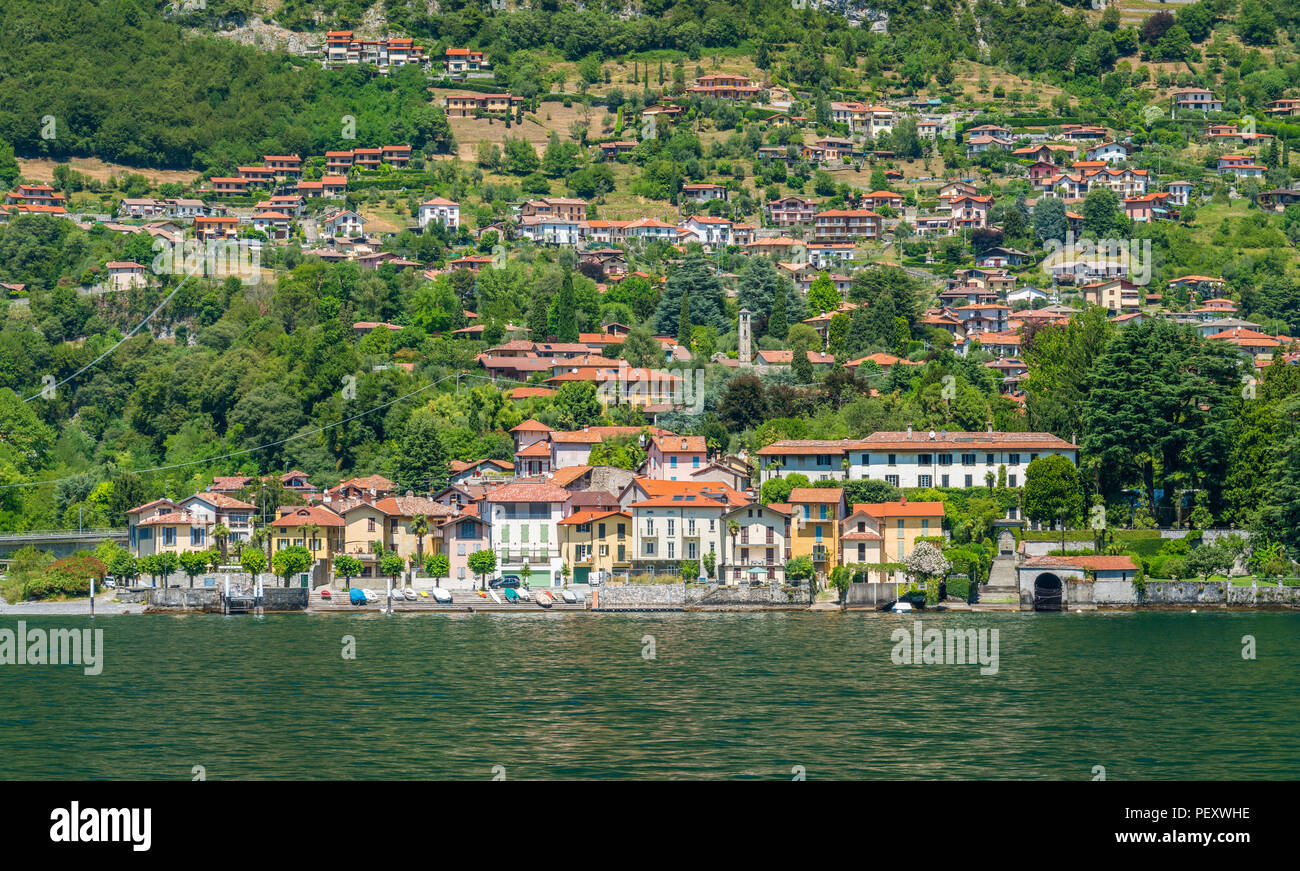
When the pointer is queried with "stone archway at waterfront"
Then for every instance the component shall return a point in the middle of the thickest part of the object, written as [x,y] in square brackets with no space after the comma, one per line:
[1049,592]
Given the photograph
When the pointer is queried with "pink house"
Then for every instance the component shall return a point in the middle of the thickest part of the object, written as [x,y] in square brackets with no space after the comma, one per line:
[673,457]
[462,535]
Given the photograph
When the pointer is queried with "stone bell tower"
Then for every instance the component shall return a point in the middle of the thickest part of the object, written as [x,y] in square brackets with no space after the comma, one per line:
[744,336]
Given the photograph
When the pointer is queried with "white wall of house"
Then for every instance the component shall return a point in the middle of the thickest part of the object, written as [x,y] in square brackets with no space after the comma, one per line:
[818,467]
[945,466]
[759,543]
[526,532]
[666,536]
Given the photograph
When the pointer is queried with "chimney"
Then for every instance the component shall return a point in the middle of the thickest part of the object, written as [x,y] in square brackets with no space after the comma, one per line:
[990,428]
[909,431]
[931,433]
[902,499]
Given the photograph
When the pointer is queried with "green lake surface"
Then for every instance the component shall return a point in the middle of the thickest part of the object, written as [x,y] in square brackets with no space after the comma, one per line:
[727,695]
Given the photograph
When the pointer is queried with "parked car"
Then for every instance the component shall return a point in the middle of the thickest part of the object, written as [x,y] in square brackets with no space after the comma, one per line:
[504,582]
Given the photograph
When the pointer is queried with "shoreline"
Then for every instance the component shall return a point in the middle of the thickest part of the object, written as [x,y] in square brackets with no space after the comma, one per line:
[111,608]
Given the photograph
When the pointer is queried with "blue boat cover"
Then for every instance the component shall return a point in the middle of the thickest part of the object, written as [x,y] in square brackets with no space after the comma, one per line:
[357,597]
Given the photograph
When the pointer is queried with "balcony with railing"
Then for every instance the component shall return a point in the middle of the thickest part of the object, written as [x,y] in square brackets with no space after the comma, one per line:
[758,561]
[516,556]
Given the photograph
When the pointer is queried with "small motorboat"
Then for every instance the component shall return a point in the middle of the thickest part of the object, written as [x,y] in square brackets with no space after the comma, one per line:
[901,607]
[510,594]
[441,596]
[545,599]
[569,596]
[409,595]
[325,594]
[495,597]
[357,596]
[371,596]
[523,593]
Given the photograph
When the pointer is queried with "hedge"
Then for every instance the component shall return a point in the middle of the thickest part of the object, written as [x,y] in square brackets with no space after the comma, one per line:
[958,586]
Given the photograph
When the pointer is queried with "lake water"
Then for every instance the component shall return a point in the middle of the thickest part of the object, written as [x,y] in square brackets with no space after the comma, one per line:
[727,695]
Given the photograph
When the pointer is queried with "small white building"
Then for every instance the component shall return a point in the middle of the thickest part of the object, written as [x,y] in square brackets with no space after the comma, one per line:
[439,211]
[124,273]
[343,223]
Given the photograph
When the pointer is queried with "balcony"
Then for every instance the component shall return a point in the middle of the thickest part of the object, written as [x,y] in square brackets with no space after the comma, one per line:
[820,555]
[533,557]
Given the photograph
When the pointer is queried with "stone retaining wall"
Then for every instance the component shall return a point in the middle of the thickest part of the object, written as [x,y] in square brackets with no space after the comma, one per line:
[208,599]
[640,597]
[681,597]
[735,596]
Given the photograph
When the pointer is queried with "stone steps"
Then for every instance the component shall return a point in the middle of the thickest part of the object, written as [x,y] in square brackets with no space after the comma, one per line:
[1003,587]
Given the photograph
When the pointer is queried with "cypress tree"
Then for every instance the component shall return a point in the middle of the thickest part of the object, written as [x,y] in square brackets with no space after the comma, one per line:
[777,324]
[684,322]
[859,331]
[800,365]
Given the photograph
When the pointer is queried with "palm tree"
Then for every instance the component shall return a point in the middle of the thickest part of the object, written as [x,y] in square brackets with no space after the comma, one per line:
[419,528]
[221,533]
[260,536]
[311,532]
[733,529]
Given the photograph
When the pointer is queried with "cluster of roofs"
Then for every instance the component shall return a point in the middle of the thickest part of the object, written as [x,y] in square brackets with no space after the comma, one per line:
[553,517]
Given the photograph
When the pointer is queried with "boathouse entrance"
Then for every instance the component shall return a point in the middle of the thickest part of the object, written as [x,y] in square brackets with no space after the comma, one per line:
[1049,592]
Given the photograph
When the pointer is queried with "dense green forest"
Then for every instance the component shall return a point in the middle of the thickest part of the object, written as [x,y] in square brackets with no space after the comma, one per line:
[127,86]
[146,89]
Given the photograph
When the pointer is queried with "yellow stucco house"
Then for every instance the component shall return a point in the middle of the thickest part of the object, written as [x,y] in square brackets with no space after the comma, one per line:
[597,541]
[318,529]
[815,517]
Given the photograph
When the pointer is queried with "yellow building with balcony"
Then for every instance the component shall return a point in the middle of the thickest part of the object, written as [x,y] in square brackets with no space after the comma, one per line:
[318,529]
[815,515]
[596,542]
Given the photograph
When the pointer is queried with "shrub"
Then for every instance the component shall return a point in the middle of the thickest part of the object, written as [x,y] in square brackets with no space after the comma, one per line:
[56,583]
[958,586]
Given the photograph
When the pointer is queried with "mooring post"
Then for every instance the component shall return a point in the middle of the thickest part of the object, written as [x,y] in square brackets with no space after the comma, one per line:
[92,598]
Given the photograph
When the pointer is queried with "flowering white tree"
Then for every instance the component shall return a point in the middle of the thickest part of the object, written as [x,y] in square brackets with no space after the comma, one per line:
[927,563]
